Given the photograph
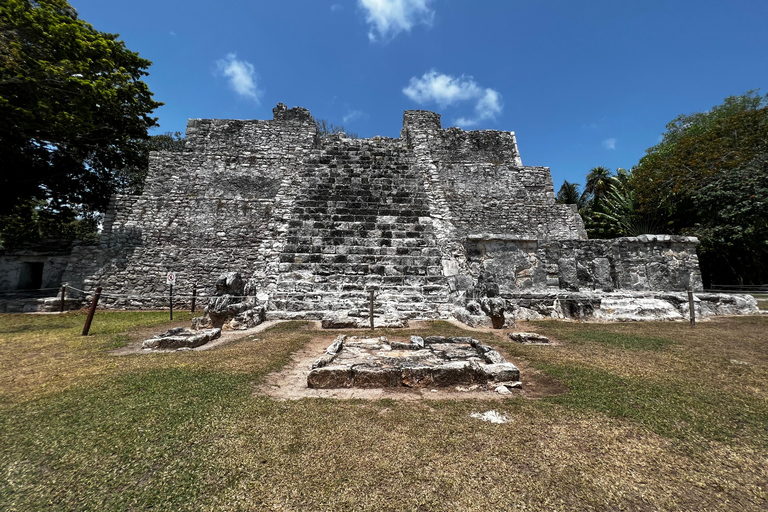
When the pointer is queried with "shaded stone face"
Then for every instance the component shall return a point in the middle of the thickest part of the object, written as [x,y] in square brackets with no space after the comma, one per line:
[423,362]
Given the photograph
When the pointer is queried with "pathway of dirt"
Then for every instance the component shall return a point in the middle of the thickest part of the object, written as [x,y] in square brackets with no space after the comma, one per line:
[290,383]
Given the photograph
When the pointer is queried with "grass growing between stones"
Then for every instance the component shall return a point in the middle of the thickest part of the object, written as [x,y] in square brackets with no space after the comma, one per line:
[657,416]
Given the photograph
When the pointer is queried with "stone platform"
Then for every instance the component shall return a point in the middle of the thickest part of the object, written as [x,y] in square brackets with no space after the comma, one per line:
[433,361]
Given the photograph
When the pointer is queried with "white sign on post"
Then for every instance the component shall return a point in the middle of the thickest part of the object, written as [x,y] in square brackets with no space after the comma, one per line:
[171,278]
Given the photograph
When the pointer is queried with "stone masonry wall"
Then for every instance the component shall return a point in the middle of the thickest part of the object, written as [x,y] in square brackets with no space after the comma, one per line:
[315,222]
[647,262]
[484,185]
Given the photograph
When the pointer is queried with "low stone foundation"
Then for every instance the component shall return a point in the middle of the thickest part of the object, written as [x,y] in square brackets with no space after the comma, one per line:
[602,307]
[433,361]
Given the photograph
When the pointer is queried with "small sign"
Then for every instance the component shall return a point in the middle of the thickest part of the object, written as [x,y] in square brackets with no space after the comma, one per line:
[171,278]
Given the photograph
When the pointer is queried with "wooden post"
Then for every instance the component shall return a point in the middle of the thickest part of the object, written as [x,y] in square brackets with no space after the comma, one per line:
[194,296]
[63,295]
[92,311]
[370,310]
[171,293]
[691,308]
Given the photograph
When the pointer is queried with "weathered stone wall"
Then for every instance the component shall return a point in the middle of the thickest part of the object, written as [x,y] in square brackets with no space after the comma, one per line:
[316,222]
[648,262]
[11,269]
[480,180]
[54,256]
[217,206]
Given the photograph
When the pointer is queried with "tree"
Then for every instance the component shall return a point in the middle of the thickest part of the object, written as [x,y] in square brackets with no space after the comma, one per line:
[733,224]
[707,178]
[618,214]
[74,108]
[597,184]
[325,128]
[569,194]
[34,220]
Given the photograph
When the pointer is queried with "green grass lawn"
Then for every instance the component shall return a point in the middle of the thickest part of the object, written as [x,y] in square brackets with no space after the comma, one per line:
[649,416]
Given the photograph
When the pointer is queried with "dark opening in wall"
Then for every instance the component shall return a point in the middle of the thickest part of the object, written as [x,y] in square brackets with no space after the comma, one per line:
[31,275]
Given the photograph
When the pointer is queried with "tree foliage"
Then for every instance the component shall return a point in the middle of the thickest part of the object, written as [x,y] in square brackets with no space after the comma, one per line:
[569,194]
[35,220]
[74,108]
[708,178]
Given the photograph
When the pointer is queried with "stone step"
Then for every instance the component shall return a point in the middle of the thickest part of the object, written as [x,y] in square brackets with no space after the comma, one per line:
[342,199]
[367,226]
[366,231]
[325,269]
[363,286]
[389,260]
[363,213]
[335,281]
[359,241]
[360,306]
[309,248]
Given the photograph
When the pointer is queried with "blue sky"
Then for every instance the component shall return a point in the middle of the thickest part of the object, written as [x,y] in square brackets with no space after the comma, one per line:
[581,83]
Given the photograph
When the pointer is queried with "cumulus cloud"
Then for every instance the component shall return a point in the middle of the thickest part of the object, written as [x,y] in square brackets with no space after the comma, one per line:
[241,75]
[387,18]
[609,143]
[447,90]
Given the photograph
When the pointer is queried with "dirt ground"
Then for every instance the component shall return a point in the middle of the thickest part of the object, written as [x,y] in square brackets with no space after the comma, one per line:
[290,383]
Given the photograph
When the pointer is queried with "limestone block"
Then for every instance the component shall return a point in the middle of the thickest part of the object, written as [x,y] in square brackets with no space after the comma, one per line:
[500,372]
[178,337]
[493,357]
[339,320]
[375,377]
[332,376]
[528,338]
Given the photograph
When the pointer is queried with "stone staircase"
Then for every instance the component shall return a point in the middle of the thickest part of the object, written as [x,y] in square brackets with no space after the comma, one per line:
[360,222]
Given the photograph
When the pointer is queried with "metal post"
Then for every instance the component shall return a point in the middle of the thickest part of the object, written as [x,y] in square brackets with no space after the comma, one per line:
[194,296]
[371,310]
[63,294]
[92,311]
[691,308]
[171,292]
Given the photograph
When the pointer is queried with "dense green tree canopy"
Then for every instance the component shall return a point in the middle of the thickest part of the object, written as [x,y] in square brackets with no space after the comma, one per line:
[708,177]
[74,108]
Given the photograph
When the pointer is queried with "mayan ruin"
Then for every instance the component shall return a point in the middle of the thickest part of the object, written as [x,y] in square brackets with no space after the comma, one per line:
[439,223]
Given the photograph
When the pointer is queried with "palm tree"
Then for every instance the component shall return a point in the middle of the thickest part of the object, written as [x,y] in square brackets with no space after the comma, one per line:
[569,194]
[617,211]
[598,184]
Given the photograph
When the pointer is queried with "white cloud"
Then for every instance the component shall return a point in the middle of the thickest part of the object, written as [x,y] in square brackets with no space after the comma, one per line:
[609,143]
[447,90]
[489,106]
[442,89]
[388,18]
[336,7]
[352,115]
[172,33]
[241,75]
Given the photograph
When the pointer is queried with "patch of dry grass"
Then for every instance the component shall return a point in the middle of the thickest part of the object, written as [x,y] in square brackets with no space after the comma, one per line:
[184,431]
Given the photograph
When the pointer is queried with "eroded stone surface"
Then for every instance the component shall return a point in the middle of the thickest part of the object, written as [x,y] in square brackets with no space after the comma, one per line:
[528,338]
[423,362]
[179,338]
[313,224]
